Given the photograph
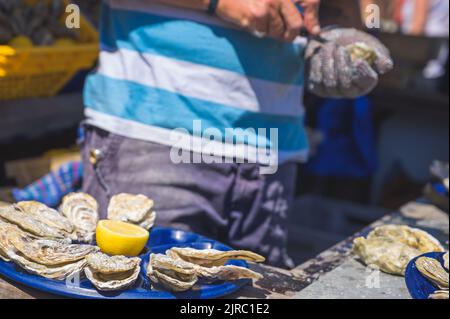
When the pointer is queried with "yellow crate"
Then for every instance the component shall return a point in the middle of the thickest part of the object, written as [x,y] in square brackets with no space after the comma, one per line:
[43,71]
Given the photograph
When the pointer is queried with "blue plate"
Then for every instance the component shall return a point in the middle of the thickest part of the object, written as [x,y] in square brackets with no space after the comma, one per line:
[420,287]
[160,240]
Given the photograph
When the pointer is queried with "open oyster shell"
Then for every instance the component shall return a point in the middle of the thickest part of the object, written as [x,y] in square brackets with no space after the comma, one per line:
[135,209]
[112,273]
[413,237]
[433,271]
[50,272]
[15,215]
[46,215]
[385,254]
[82,211]
[212,257]
[49,252]
[173,274]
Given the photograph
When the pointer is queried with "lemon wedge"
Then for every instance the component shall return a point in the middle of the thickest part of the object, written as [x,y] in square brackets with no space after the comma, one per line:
[120,238]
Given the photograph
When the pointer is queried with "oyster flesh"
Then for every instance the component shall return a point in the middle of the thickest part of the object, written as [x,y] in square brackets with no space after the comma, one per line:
[15,215]
[384,254]
[173,274]
[432,270]
[135,209]
[49,252]
[212,257]
[112,273]
[60,272]
[413,237]
[82,211]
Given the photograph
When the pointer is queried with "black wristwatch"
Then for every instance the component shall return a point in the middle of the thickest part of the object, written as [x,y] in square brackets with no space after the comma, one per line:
[212,6]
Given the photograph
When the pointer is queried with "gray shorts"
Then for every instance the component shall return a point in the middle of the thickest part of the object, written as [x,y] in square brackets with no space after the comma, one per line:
[231,203]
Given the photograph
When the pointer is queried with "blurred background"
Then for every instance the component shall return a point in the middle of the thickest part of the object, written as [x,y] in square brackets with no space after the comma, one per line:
[369,156]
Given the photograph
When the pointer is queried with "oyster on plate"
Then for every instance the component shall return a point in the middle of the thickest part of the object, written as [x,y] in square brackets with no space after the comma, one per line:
[439,294]
[226,273]
[112,273]
[15,215]
[432,270]
[46,215]
[82,211]
[446,260]
[412,237]
[173,274]
[5,245]
[135,209]
[49,252]
[384,254]
[212,257]
[59,272]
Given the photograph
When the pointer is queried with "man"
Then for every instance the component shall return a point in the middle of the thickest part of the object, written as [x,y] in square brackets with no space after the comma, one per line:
[196,104]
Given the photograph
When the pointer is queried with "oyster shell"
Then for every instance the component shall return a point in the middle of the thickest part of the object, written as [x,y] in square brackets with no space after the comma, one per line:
[212,257]
[413,237]
[13,214]
[82,211]
[46,215]
[112,273]
[135,209]
[432,270]
[385,254]
[173,274]
[446,261]
[439,294]
[227,273]
[49,252]
[50,272]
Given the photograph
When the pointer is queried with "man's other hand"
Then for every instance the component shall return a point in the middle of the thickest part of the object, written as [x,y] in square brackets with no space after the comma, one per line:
[279,19]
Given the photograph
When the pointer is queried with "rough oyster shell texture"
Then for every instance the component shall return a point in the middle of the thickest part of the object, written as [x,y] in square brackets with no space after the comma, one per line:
[47,215]
[412,237]
[135,209]
[15,215]
[212,257]
[49,252]
[432,270]
[446,260]
[181,268]
[439,295]
[384,254]
[82,211]
[391,247]
[173,274]
[112,273]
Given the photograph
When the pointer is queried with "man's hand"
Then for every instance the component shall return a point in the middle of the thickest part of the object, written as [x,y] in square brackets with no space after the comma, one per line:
[279,19]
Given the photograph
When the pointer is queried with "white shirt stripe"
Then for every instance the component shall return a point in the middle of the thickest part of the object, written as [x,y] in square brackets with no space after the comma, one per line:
[203,82]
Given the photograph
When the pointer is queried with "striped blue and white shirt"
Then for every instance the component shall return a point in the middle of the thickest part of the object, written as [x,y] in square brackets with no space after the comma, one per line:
[163,68]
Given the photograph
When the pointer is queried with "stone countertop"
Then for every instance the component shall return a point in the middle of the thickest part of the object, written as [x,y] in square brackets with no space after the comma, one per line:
[333,274]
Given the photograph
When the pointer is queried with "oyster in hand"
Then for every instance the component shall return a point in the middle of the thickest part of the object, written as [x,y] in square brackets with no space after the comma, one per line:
[15,215]
[413,237]
[112,273]
[385,254]
[173,274]
[212,257]
[432,270]
[49,252]
[82,211]
[134,209]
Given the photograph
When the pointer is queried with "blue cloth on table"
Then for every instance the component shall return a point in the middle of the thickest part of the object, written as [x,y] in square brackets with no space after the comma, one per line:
[51,188]
[348,149]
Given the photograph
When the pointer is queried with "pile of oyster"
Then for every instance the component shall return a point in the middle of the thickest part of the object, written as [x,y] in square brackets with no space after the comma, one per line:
[39,239]
[134,209]
[390,248]
[437,274]
[40,22]
[180,269]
